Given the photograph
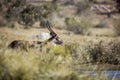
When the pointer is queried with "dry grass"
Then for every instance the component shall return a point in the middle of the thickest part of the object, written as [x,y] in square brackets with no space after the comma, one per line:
[55,64]
[61,62]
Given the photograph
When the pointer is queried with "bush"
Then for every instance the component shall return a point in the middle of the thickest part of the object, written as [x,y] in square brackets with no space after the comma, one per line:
[10,11]
[82,6]
[117,27]
[90,51]
[111,52]
[94,50]
[18,10]
[98,51]
[78,25]
[104,52]
[32,13]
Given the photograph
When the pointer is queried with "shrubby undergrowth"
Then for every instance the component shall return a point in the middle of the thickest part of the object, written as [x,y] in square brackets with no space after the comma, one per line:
[99,51]
[56,62]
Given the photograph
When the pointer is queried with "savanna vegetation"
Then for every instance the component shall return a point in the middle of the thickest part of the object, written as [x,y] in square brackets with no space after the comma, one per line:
[90,30]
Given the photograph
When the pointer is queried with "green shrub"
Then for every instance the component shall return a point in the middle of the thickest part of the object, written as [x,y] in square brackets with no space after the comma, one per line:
[78,25]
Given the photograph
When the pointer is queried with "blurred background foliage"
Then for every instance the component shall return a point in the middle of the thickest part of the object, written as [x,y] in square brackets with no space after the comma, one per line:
[72,15]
